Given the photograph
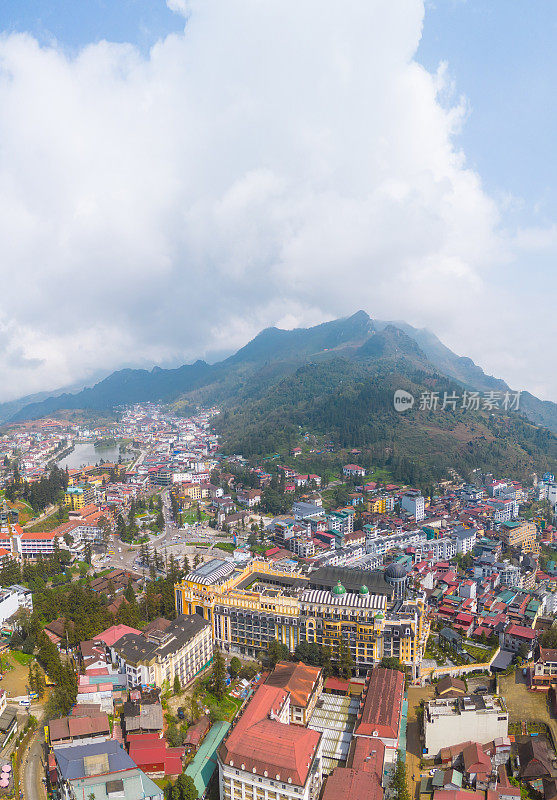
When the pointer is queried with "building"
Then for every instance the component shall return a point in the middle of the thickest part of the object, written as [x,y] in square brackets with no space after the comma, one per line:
[520,534]
[182,649]
[380,712]
[100,769]
[264,756]
[544,671]
[12,599]
[519,639]
[353,471]
[304,684]
[79,729]
[250,606]
[475,718]
[414,504]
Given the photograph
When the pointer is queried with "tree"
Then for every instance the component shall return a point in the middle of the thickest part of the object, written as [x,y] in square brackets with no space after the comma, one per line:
[235,666]
[218,677]
[183,789]
[276,651]
[345,662]
[390,662]
[177,685]
[399,780]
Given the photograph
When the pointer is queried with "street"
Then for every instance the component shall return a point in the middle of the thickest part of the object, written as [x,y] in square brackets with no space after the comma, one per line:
[32,768]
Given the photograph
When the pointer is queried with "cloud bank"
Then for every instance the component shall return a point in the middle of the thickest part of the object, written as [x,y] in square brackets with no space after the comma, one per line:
[280,162]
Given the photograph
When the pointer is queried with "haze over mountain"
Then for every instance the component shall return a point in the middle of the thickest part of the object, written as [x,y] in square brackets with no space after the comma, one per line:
[275,353]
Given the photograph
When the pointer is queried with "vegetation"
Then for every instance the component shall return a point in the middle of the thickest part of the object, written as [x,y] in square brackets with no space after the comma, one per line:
[46,491]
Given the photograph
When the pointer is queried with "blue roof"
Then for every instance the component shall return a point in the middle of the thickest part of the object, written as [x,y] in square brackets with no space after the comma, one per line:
[70,759]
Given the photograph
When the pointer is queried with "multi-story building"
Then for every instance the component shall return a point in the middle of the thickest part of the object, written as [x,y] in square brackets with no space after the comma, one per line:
[520,534]
[544,671]
[180,648]
[12,599]
[76,497]
[477,718]
[414,504]
[304,684]
[248,607]
[266,758]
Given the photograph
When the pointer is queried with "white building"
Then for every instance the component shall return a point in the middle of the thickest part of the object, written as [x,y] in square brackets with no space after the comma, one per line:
[414,504]
[478,718]
[12,599]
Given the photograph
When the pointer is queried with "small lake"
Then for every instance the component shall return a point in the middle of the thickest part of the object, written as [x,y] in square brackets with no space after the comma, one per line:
[86,454]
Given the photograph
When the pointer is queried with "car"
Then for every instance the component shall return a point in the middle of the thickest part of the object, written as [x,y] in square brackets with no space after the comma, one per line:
[26,702]
[481,690]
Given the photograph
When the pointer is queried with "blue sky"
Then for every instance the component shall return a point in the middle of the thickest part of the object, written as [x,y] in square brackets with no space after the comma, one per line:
[501,56]
[286,159]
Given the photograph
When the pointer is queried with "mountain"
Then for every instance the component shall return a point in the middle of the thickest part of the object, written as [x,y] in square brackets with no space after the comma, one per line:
[274,354]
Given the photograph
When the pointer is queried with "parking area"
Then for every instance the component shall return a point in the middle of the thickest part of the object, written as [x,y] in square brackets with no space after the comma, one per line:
[524,705]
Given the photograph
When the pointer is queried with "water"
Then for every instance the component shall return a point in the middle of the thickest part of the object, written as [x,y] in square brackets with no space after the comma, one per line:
[86,454]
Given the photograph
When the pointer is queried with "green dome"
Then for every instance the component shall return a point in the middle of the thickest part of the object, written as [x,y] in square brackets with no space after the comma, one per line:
[364,589]
[338,589]
[380,615]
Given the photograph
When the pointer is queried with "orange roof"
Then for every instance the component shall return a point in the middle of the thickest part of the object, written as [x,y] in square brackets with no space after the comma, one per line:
[259,743]
[298,679]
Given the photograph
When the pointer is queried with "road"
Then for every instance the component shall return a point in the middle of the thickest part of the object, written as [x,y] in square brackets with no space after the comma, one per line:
[33,768]
[413,741]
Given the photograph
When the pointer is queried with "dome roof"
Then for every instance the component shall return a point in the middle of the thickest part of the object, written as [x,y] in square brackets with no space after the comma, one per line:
[395,570]
[338,589]
[363,589]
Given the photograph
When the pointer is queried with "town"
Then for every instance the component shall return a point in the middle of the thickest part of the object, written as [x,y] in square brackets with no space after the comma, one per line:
[181,624]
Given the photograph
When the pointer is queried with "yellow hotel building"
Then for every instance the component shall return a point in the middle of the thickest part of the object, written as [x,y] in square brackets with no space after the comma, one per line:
[248,606]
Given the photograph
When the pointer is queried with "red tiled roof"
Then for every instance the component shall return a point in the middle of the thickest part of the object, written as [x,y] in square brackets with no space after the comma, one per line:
[381,712]
[113,634]
[262,743]
[521,632]
[351,784]
[297,679]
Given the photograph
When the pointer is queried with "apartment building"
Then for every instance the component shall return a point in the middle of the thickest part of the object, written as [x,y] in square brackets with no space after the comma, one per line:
[414,504]
[520,534]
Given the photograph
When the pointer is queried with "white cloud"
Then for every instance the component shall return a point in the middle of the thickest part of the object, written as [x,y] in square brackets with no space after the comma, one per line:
[285,160]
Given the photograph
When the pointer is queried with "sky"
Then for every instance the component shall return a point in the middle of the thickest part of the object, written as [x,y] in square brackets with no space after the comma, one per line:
[176,176]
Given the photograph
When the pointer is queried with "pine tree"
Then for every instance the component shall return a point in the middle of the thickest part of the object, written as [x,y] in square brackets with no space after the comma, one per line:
[218,678]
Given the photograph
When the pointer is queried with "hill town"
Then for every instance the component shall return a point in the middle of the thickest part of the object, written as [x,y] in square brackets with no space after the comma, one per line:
[185,622]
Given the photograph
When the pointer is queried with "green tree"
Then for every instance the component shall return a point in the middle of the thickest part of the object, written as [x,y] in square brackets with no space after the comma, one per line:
[345,662]
[399,780]
[177,686]
[276,651]
[218,677]
[235,666]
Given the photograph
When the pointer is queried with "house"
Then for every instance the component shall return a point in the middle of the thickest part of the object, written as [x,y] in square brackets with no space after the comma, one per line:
[99,769]
[154,756]
[450,687]
[477,764]
[519,639]
[380,712]
[249,497]
[303,682]
[143,714]
[353,471]
[79,730]
[544,671]
[535,760]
